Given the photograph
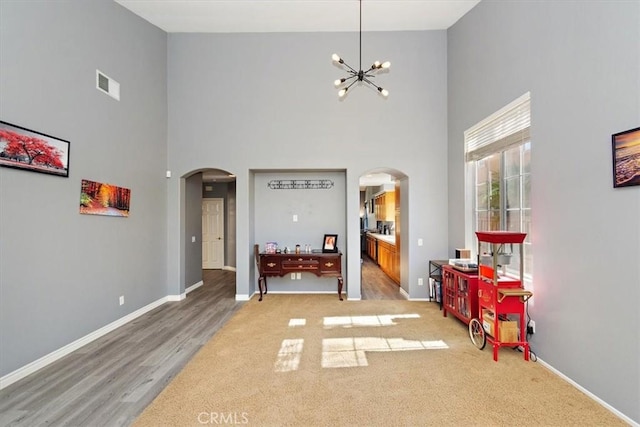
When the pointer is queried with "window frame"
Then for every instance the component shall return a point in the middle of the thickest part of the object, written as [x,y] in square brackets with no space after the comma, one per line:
[505,130]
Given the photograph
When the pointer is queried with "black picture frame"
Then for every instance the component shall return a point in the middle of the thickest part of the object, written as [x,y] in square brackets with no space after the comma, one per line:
[330,243]
[625,149]
[33,151]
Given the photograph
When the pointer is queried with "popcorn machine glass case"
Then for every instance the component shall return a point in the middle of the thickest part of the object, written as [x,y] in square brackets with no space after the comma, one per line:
[501,299]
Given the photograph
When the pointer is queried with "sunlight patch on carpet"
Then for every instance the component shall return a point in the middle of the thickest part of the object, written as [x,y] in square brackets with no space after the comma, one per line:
[351,352]
[373,320]
[289,355]
[297,322]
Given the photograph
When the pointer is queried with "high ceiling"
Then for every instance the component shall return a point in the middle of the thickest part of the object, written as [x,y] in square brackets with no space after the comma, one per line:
[251,16]
[217,16]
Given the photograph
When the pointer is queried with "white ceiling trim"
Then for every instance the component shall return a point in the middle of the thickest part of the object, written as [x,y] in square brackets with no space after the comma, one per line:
[251,16]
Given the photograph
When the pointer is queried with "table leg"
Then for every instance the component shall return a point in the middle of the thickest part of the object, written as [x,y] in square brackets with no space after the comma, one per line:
[262,283]
[340,288]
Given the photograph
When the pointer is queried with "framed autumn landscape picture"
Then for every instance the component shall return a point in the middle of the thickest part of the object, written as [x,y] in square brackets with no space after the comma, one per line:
[97,198]
[26,149]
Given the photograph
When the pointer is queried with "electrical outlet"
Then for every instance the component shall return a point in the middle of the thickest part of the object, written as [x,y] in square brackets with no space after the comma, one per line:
[531,327]
[293,276]
[122,300]
[420,282]
[298,276]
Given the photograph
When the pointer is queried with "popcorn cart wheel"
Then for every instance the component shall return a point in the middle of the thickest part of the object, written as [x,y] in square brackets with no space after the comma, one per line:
[477,334]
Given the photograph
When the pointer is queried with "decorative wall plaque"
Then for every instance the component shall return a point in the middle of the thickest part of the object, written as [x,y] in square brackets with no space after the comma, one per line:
[300,184]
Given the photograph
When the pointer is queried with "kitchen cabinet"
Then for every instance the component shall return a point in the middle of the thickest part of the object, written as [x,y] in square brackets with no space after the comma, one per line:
[388,261]
[385,206]
[372,245]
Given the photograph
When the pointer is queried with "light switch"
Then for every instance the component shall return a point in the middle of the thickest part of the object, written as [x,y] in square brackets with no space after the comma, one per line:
[419,242]
[193,239]
[295,218]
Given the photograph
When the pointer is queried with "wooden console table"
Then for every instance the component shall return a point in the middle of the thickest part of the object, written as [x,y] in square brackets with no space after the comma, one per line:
[278,265]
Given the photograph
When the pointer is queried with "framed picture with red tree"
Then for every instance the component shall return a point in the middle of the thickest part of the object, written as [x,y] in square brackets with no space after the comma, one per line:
[26,149]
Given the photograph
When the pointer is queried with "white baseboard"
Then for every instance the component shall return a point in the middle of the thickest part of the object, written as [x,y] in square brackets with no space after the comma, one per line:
[36,365]
[194,287]
[588,393]
[243,297]
[229,268]
[177,297]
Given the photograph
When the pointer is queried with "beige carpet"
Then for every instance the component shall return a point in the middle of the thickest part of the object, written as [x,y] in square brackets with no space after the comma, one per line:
[312,360]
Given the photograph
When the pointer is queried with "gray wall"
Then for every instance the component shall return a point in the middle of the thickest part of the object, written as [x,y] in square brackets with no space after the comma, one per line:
[242,102]
[581,62]
[61,273]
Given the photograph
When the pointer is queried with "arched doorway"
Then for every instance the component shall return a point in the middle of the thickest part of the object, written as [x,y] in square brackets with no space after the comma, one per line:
[209,226]
[381,204]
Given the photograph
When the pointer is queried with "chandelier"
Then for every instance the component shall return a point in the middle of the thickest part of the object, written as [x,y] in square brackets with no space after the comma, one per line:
[359,76]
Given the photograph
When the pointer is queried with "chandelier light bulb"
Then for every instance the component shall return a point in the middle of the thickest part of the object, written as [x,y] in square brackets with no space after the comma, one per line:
[376,64]
[342,92]
[335,57]
[386,64]
[384,92]
[338,82]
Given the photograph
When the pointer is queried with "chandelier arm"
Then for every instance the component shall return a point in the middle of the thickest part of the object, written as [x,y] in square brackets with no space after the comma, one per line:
[352,83]
[370,82]
[349,67]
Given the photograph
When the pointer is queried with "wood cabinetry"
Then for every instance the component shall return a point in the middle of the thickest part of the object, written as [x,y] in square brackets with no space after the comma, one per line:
[385,206]
[372,244]
[459,293]
[388,261]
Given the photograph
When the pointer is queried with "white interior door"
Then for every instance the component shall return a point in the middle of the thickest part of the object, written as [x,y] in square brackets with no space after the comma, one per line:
[212,233]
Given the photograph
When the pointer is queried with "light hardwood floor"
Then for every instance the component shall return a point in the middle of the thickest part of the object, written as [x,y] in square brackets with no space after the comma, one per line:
[110,381]
[376,284]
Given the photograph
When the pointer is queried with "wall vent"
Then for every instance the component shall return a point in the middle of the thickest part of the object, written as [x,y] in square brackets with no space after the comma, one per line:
[107,85]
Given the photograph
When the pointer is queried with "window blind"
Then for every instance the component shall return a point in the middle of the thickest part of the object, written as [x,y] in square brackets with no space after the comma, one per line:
[505,128]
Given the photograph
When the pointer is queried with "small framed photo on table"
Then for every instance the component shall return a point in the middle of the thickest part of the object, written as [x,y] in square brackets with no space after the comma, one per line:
[330,243]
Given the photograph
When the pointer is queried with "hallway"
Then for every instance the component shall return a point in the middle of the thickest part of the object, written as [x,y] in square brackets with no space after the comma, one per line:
[376,285]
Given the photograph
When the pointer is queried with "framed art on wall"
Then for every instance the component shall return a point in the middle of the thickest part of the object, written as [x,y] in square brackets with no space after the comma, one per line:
[625,147]
[26,149]
[97,198]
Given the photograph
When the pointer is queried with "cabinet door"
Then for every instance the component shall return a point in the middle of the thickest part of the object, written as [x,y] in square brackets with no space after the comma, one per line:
[449,289]
[462,300]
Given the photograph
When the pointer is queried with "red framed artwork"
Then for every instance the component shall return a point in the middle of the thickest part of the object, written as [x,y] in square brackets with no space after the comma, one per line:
[97,198]
[26,149]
